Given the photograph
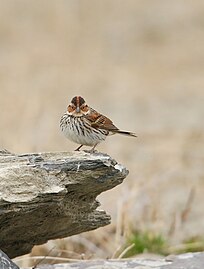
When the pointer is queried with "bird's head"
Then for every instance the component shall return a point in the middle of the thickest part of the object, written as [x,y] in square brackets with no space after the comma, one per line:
[78,107]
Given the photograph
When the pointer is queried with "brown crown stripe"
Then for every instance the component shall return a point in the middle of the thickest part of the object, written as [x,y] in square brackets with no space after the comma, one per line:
[78,101]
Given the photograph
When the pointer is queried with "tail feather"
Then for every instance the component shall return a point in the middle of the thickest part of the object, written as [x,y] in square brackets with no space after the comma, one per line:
[126,133]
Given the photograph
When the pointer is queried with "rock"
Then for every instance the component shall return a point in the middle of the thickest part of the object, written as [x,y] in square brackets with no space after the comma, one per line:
[52,195]
[183,261]
[6,263]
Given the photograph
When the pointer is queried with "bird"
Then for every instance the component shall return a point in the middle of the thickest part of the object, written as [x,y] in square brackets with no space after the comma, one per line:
[85,126]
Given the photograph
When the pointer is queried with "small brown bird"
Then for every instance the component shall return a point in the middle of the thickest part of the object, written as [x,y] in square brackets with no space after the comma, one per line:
[85,126]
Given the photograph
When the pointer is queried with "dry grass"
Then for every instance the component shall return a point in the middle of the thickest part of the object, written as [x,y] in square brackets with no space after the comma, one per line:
[139,62]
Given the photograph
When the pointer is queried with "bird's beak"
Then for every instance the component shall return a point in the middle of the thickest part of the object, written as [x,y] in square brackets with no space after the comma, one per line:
[77,109]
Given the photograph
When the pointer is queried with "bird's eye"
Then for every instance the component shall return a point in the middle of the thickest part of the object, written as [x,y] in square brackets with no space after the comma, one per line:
[71,108]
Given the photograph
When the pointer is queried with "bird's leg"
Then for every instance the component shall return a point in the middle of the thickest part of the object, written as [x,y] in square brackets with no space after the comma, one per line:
[92,149]
[77,149]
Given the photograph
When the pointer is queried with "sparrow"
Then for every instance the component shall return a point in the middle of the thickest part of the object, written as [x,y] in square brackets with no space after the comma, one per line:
[85,126]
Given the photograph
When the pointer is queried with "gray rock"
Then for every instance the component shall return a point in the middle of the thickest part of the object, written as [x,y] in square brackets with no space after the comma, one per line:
[6,263]
[184,261]
[52,195]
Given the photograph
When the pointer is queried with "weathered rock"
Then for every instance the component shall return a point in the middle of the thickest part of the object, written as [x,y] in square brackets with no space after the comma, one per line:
[6,263]
[52,195]
[183,261]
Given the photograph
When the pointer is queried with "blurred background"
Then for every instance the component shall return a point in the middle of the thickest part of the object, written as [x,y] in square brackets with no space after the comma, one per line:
[139,62]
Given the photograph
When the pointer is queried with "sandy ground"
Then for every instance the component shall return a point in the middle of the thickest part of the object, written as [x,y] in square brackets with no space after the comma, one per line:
[140,63]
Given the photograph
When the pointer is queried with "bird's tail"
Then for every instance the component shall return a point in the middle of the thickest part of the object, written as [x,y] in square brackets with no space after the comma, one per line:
[126,133]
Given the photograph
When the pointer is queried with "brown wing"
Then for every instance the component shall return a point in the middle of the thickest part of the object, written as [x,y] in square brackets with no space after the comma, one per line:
[99,121]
